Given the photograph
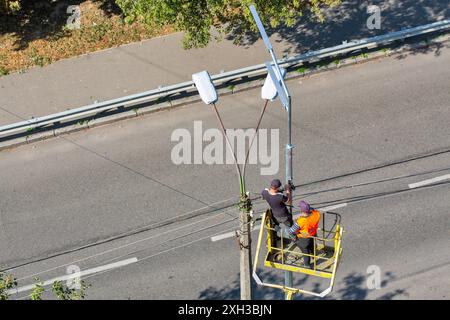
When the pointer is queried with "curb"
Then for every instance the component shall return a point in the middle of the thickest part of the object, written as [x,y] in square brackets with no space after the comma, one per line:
[294,72]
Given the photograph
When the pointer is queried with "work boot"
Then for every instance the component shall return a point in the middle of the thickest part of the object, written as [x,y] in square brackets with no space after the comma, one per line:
[278,257]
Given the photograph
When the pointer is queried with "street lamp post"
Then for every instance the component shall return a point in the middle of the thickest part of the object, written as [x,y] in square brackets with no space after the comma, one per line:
[273,87]
[208,94]
[275,73]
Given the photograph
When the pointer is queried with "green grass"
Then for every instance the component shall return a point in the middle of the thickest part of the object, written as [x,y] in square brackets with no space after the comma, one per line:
[3,71]
[364,55]
[99,30]
[438,37]
[38,59]
[301,70]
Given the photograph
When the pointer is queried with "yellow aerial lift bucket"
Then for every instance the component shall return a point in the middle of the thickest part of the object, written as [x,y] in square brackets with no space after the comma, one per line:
[282,254]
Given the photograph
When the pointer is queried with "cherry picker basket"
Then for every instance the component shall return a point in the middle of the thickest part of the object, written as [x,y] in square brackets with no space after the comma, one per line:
[283,254]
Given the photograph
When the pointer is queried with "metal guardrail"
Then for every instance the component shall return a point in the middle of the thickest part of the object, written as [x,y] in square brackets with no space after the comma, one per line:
[162,92]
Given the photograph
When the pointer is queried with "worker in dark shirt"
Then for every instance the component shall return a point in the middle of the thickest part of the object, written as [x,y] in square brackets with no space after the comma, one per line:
[278,203]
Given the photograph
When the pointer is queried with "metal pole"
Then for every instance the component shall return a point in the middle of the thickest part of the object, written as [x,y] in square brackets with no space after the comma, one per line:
[245,235]
[288,281]
[245,253]
[284,95]
[245,208]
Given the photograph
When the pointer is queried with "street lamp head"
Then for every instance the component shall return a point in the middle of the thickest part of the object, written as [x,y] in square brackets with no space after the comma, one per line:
[269,90]
[205,87]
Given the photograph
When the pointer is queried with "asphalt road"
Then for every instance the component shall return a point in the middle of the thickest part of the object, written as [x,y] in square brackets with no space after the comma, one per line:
[363,134]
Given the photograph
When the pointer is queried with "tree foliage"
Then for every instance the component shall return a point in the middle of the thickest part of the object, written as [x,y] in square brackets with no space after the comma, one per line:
[9,6]
[63,292]
[196,18]
[60,290]
[38,290]
[7,282]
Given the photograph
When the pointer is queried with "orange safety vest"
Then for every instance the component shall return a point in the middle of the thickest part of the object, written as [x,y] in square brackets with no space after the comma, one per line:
[308,224]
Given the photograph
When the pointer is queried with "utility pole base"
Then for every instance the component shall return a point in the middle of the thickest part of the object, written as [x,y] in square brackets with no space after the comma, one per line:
[245,257]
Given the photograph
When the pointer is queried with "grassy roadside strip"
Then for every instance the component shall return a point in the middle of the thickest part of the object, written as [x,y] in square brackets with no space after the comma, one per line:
[39,35]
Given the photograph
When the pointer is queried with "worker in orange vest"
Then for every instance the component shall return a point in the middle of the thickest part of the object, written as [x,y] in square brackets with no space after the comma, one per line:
[304,229]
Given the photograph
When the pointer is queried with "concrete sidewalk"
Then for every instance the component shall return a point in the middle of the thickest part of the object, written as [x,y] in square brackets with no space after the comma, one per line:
[161,61]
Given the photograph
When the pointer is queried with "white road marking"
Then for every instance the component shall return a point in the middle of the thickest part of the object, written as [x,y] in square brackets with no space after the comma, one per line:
[429,181]
[223,236]
[76,275]
[333,207]
[230,234]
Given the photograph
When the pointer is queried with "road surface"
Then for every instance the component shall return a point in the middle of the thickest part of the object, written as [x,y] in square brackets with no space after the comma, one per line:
[363,136]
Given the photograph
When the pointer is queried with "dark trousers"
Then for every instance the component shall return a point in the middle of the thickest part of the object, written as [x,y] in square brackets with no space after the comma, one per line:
[306,245]
[286,220]
[284,223]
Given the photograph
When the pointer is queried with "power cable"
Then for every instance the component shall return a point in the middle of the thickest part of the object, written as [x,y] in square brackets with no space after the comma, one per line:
[117,237]
[123,246]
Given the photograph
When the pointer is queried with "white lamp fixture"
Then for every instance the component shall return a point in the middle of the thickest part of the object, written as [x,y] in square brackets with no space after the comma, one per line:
[269,90]
[205,87]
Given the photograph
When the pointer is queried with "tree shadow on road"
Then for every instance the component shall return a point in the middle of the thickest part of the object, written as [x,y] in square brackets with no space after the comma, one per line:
[352,287]
[348,21]
[429,48]
[232,290]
